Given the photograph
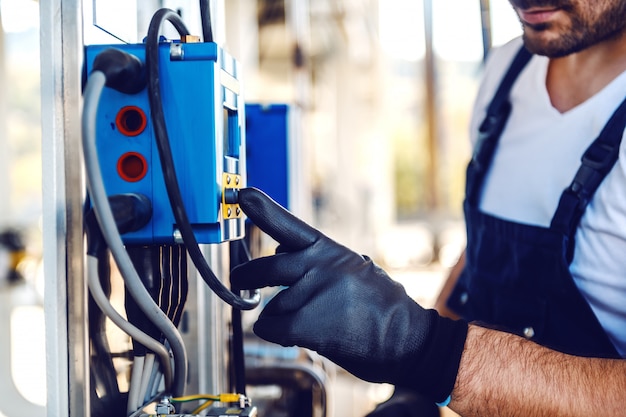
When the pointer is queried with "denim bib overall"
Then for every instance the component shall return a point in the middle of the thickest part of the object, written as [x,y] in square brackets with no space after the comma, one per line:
[516,276]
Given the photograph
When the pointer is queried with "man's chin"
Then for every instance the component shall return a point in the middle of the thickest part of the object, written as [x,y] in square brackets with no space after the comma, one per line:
[542,42]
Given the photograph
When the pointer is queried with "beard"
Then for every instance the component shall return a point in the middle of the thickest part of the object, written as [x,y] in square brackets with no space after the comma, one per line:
[583,30]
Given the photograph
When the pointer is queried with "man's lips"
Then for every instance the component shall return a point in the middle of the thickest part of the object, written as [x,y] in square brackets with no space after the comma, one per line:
[537,16]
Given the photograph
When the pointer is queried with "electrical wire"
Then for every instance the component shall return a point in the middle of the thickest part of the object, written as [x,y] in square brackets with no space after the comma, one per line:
[105,375]
[154,398]
[103,302]
[179,270]
[167,163]
[209,400]
[145,261]
[202,407]
[154,265]
[228,397]
[239,254]
[153,385]
[148,366]
[205,17]
[195,397]
[136,373]
[93,90]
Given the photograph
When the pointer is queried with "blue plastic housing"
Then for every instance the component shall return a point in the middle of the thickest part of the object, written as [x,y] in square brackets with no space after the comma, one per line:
[204,118]
[267,150]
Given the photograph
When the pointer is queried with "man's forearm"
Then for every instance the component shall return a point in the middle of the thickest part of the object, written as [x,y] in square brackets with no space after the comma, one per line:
[505,375]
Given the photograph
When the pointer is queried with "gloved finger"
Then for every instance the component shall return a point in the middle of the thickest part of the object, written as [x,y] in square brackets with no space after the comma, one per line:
[270,271]
[275,220]
[275,329]
[287,320]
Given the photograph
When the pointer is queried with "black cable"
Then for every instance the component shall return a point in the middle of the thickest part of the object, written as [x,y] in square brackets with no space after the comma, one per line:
[165,295]
[205,16]
[146,261]
[238,254]
[111,234]
[179,270]
[173,292]
[101,360]
[167,162]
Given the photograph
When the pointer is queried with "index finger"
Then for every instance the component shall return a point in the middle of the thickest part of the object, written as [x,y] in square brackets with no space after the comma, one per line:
[275,220]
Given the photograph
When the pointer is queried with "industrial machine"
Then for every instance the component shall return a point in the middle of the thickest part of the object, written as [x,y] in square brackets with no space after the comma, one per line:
[164,149]
[164,153]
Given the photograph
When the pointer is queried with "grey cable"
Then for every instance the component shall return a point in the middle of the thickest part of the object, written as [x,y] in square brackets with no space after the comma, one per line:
[148,366]
[127,327]
[134,387]
[93,90]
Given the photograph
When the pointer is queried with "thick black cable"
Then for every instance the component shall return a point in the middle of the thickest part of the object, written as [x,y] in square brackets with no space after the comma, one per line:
[167,162]
[205,16]
[239,254]
[146,261]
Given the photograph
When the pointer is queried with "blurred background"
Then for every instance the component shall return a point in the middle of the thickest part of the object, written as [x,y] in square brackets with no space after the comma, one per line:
[384,90]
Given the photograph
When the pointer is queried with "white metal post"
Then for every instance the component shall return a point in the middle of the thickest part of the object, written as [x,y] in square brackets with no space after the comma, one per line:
[65,290]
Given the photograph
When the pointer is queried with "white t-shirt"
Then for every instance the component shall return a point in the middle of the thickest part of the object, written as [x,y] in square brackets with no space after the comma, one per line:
[538,155]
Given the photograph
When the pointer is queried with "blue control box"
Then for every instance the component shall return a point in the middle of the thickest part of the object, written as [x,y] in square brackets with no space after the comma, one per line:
[267,150]
[205,117]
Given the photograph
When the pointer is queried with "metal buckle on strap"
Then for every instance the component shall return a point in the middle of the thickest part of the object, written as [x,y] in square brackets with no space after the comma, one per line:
[596,160]
[599,156]
[488,135]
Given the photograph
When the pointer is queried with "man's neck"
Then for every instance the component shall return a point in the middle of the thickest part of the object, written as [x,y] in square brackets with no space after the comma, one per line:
[573,79]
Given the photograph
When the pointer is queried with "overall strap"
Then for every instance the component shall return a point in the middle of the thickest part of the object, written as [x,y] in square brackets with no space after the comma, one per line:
[596,162]
[491,128]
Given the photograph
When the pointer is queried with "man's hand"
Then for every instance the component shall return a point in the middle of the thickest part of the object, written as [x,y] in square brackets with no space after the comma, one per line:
[346,308]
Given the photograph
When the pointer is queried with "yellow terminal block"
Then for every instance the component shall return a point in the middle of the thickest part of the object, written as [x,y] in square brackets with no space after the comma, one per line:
[230,398]
[230,183]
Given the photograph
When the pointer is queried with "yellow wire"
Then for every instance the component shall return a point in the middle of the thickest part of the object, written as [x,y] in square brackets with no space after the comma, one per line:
[210,399]
[202,407]
[195,397]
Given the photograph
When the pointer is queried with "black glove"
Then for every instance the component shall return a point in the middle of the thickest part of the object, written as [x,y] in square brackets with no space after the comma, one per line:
[346,308]
[406,403]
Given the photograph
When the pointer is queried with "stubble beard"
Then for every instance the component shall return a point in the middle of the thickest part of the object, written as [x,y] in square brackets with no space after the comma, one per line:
[578,35]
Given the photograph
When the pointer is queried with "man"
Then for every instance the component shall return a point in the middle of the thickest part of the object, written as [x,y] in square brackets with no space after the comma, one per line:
[342,305]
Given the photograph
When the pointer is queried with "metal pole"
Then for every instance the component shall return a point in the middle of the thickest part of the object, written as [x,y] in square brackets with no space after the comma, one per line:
[485,20]
[65,301]
[432,174]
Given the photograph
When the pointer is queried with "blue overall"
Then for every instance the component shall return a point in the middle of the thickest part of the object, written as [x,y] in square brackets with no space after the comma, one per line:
[516,276]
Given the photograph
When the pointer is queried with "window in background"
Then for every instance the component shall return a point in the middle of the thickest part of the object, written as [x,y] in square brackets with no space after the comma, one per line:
[432,180]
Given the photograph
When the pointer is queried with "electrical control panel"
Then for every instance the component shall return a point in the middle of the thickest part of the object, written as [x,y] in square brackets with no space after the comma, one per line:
[205,118]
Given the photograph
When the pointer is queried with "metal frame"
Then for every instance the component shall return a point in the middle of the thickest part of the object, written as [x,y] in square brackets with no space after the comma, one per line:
[65,298]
